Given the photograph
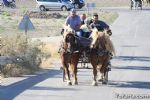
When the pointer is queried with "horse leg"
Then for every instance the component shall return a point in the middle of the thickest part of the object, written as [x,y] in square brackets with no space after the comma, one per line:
[99,66]
[101,77]
[66,69]
[74,74]
[101,74]
[94,64]
[94,83]
[146,3]
[105,72]
[105,81]
[73,65]
[67,75]
[134,3]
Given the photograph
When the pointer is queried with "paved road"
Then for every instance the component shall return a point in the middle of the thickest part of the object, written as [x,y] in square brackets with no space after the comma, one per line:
[129,78]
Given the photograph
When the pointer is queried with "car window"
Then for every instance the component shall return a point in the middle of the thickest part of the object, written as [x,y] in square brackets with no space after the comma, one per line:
[52,0]
[40,0]
[66,0]
[81,1]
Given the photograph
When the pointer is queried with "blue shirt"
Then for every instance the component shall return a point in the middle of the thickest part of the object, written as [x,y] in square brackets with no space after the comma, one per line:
[74,22]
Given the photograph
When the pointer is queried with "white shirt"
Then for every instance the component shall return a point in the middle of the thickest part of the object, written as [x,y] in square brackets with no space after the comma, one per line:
[9,0]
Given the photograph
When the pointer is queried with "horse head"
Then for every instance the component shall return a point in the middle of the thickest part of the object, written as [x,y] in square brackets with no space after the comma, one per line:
[101,40]
[69,38]
[98,39]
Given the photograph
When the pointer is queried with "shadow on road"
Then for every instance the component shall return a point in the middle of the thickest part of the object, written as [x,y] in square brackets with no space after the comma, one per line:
[51,88]
[130,84]
[133,68]
[133,58]
[129,46]
[146,8]
[13,90]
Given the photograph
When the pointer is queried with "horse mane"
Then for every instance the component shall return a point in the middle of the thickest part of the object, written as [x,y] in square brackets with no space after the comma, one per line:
[68,30]
[95,36]
[109,44]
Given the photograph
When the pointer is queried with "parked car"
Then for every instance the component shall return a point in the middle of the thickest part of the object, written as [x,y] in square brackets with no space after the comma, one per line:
[78,4]
[44,5]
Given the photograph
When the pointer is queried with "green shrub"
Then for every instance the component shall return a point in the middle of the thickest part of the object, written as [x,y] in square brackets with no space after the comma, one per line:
[5,13]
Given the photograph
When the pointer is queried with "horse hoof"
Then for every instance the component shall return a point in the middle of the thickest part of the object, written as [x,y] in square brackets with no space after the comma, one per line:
[94,83]
[100,80]
[104,82]
[75,83]
[69,83]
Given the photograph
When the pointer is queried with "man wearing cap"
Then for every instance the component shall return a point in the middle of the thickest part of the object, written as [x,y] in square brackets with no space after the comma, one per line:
[96,23]
[73,20]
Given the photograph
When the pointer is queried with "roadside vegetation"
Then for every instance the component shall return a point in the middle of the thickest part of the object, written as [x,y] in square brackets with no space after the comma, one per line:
[27,55]
[46,23]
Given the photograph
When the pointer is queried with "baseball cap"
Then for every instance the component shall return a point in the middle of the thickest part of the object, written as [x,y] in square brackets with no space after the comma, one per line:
[73,11]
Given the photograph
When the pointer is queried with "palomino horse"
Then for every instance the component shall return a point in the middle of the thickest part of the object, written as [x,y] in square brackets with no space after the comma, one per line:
[101,46]
[69,59]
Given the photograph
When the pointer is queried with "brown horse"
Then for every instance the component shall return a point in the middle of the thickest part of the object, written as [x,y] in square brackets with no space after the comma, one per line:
[69,59]
[99,56]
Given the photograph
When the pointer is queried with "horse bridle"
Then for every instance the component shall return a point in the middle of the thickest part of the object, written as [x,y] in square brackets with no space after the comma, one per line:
[70,40]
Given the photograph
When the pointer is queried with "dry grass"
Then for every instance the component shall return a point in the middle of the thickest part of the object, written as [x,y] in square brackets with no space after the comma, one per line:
[43,27]
[52,49]
[99,3]
[109,3]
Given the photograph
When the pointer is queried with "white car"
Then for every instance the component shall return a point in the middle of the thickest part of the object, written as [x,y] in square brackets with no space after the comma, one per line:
[44,5]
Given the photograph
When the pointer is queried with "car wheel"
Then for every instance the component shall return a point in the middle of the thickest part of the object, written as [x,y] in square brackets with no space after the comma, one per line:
[46,9]
[68,9]
[64,8]
[42,8]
